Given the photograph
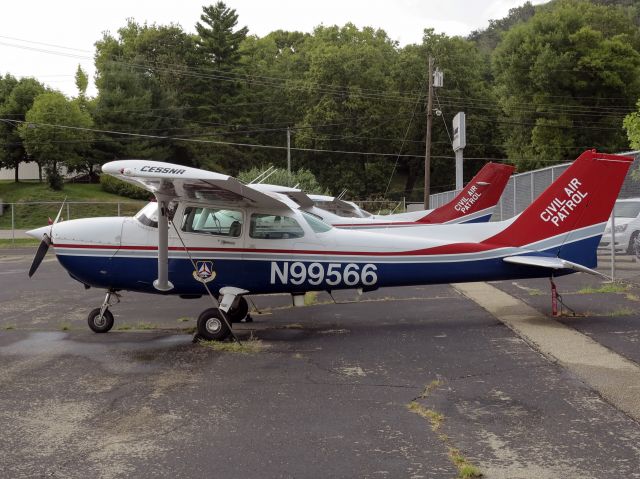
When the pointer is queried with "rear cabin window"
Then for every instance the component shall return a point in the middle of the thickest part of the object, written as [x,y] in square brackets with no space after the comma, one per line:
[219,222]
[274,227]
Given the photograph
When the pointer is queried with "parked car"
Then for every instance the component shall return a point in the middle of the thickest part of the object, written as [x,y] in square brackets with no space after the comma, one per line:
[627,226]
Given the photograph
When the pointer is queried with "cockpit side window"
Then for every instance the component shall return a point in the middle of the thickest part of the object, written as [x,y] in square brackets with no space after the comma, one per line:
[265,226]
[214,221]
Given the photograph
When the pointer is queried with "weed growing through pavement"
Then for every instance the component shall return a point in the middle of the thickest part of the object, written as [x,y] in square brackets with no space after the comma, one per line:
[249,346]
[310,297]
[605,288]
[466,470]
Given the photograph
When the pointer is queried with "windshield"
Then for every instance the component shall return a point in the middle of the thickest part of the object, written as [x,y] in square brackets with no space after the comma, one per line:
[148,215]
[317,225]
[627,209]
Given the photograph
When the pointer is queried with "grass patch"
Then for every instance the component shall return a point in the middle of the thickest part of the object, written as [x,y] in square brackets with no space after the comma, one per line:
[9,328]
[250,346]
[124,327]
[434,417]
[310,297]
[293,326]
[605,288]
[620,312]
[466,470]
[144,326]
[184,319]
[429,388]
[632,297]
[18,243]
[535,292]
[65,327]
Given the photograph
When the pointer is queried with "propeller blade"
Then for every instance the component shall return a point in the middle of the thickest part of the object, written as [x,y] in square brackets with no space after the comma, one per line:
[40,254]
[60,211]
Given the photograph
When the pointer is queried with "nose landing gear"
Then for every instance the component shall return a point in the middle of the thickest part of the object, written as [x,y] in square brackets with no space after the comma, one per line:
[100,319]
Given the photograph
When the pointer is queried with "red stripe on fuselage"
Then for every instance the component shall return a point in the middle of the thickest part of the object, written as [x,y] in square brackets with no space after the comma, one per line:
[455,248]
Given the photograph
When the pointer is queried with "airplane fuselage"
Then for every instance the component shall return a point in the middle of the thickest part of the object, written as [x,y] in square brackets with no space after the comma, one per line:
[274,251]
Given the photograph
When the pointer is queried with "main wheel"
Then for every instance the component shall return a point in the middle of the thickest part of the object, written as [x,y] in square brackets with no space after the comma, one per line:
[100,324]
[238,313]
[211,326]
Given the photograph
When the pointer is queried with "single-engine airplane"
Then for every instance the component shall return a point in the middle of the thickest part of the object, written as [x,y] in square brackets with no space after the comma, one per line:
[473,204]
[230,240]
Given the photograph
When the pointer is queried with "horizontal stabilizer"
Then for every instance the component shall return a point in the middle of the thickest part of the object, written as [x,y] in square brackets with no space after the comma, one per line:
[551,263]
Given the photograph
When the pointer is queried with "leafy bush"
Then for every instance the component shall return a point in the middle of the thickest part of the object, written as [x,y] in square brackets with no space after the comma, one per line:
[122,188]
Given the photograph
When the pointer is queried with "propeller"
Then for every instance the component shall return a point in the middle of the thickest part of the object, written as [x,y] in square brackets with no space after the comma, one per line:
[44,244]
[40,254]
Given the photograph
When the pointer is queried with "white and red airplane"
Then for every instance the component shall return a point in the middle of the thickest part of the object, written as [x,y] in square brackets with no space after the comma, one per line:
[473,204]
[210,234]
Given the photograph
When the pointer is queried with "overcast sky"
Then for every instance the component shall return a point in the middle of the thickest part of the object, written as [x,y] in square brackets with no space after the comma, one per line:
[48,39]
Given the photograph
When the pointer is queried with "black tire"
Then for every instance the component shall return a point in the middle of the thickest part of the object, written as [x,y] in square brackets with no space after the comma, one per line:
[631,249]
[237,314]
[100,324]
[211,326]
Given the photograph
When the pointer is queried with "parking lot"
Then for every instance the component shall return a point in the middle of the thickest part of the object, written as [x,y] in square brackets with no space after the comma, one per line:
[401,382]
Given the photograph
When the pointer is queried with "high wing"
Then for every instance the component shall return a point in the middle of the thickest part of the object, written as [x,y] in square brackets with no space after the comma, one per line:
[176,181]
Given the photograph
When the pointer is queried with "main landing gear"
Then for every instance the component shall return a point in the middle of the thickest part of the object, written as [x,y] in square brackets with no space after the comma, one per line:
[100,319]
[214,323]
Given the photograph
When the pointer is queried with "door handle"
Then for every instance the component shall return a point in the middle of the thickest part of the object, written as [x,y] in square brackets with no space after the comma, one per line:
[227,242]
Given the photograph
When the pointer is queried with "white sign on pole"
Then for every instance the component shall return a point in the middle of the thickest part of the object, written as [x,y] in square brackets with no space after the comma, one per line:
[459,132]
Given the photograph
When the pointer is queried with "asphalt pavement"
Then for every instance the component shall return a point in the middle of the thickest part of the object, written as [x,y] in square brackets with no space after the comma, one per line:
[394,383]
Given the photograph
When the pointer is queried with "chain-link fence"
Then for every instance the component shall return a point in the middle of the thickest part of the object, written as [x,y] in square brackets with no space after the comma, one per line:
[20,216]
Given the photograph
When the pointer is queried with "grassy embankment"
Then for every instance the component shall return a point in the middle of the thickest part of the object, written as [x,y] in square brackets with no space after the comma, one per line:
[32,216]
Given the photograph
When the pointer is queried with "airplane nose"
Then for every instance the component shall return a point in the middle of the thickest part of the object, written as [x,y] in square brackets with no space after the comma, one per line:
[38,233]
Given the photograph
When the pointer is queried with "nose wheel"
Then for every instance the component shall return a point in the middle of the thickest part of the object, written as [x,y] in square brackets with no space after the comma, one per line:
[100,320]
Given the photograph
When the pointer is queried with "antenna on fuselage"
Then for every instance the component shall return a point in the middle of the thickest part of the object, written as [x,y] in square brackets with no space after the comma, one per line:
[261,177]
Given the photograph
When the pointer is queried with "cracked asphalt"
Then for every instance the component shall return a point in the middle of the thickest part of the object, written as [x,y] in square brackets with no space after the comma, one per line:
[325,395]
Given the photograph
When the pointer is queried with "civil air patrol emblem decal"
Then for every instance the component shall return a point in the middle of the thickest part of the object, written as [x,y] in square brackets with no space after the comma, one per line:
[204,271]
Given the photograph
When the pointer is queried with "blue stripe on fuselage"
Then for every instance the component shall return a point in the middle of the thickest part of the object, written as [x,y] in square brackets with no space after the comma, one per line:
[138,273]
[479,219]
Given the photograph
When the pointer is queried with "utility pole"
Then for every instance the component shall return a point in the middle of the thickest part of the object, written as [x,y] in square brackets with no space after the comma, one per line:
[289,150]
[427,153]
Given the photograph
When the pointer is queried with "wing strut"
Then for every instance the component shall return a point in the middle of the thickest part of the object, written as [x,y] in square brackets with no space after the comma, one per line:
[163,283]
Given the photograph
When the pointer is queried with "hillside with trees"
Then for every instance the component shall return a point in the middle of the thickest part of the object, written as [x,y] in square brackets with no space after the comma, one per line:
[537,87]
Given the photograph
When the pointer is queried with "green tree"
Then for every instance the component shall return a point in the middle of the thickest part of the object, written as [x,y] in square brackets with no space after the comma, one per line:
[215,86]
[632,126]
[55,132]
[82,82]
[142,77]
[217,39]
[348,106]
[564,79]
[18,99]
[271,99]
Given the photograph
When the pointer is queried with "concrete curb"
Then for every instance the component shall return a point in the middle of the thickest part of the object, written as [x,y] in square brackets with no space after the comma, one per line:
[616,378]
